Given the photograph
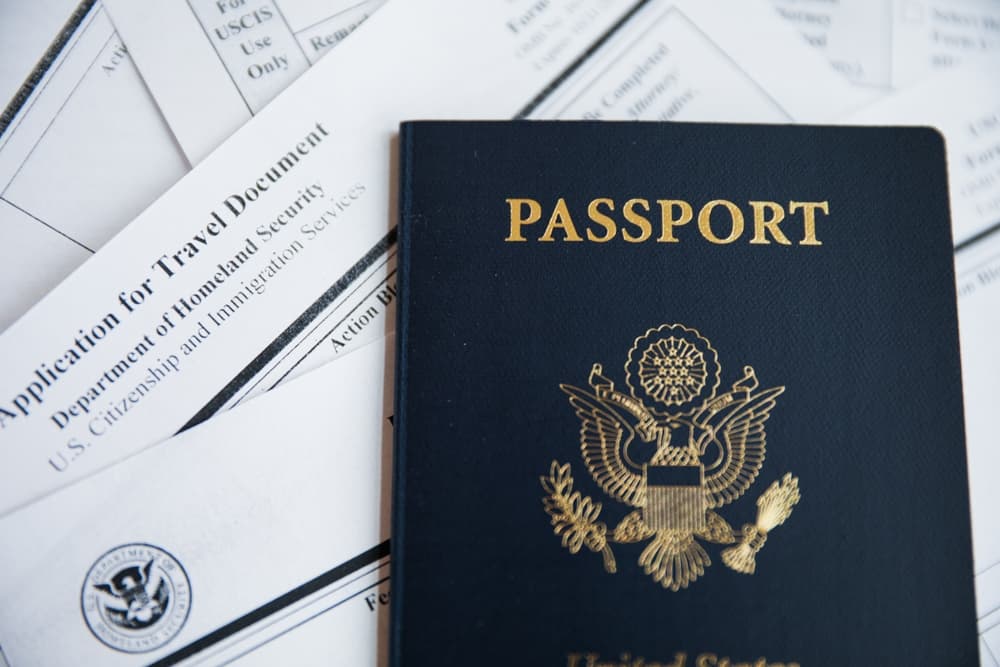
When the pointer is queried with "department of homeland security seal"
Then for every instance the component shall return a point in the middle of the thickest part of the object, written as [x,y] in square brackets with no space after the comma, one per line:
[136,598]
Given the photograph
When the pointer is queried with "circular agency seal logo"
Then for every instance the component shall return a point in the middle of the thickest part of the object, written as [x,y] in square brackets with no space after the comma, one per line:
[136,598]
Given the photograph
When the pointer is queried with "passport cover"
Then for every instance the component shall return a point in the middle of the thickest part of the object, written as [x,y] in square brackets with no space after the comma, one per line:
[678,394]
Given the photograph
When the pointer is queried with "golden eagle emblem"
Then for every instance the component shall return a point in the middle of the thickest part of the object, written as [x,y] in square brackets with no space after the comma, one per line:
[676,451]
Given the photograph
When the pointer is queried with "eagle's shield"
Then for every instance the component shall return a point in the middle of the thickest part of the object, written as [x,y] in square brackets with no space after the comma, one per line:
[675,498]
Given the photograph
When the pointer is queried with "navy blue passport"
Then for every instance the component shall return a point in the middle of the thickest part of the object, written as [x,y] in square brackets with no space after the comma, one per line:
[682,395]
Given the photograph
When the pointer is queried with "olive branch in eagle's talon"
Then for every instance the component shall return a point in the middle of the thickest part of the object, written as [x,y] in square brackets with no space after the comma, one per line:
[574,516]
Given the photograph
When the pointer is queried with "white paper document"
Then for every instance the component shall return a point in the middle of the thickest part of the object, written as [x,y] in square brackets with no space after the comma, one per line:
[80,157]
[978,274]
[26,34]
[931,35]
[260,536]
[855,35]
[683,61]
[889,44]
[90,125]
[275,254]
[212,65]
